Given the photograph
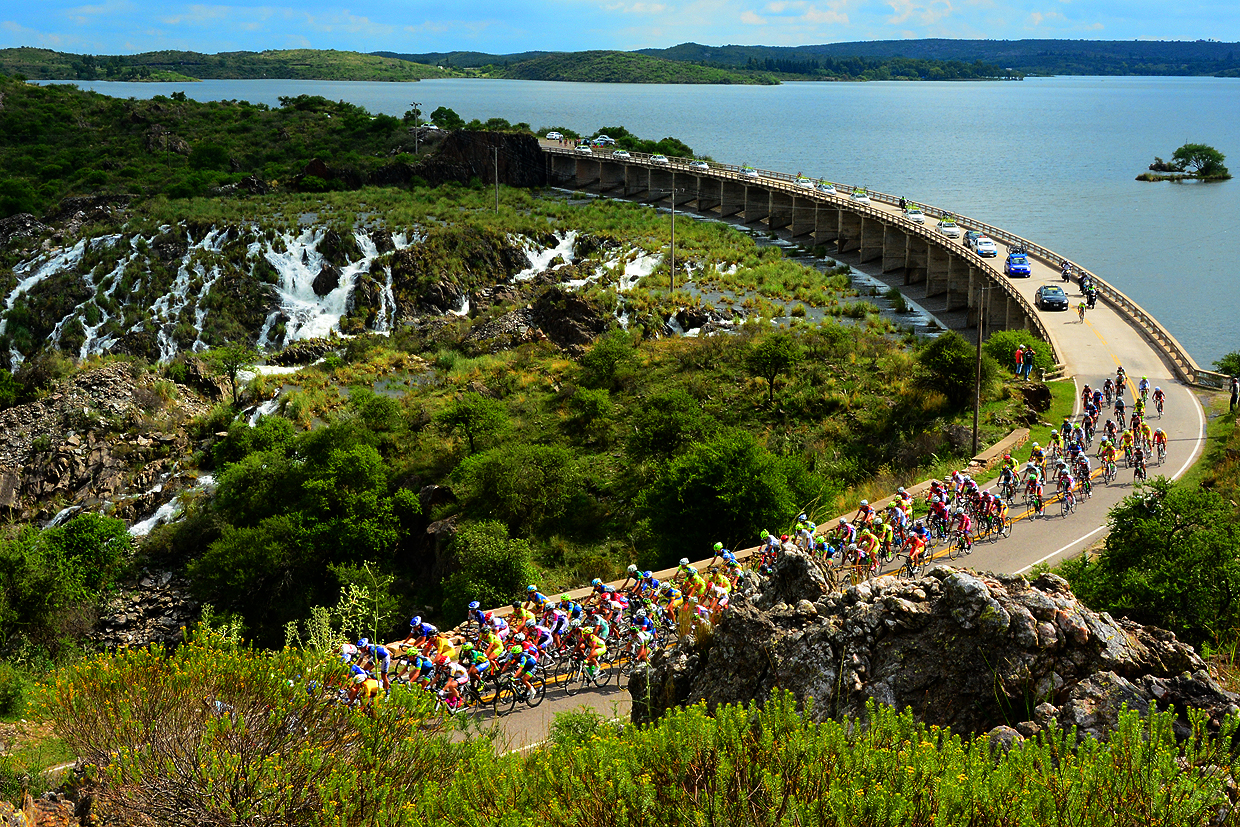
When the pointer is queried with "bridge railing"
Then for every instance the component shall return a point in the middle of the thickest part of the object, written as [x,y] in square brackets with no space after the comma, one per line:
[784,182]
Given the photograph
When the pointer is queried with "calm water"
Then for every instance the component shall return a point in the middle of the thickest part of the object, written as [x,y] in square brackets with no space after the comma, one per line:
[1052,159]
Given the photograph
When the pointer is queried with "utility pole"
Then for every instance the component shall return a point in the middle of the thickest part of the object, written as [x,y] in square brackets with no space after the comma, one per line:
[673,231]
[977,383]
[416,112]
[496,151]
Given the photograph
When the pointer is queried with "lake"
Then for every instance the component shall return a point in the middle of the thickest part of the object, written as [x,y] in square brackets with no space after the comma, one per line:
[1052,159]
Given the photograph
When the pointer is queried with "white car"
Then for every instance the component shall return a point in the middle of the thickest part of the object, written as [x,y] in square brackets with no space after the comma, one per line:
[699,165]
[826,187]
[947,226]
[749,172]
[603,140]
[913,213]
[555,136]
[805,183]
[658,159]
[584,149]
[861,195]
[623,154]
[985,247]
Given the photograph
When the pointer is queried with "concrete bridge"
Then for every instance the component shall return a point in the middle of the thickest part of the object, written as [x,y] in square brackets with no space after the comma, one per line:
[876,232]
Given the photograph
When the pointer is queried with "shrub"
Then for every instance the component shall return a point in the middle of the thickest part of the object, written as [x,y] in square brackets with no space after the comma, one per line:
[610,363]
[526,486]
[666,423]
[1229,364]
[12,690]
[493,569]
[773,356]
[950,365]
[1001,346]
[474,416]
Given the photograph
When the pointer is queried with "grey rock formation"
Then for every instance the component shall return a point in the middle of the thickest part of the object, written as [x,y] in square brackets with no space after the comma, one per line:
[969,650]
[155,609]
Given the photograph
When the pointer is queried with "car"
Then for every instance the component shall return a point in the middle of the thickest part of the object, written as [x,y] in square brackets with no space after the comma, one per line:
[622,154]
[584,149]
[699,165]
[804,183]
[749,172]
[603,140]
[1017,265]
[970,237]
[947,226]
[913,213]
[985,247]
[658,159]
[555,136]
[826,187]
[861,195]
[1051,297]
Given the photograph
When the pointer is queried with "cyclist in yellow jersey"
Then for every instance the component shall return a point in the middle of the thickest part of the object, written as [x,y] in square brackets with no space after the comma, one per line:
[1009,461]
[1159,437]
[1055,441]
[885,533]
[1147,433]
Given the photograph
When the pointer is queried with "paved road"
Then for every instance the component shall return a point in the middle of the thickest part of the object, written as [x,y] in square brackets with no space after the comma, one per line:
[1091,350]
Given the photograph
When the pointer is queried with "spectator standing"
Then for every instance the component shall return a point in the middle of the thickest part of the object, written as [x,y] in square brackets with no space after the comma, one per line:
[1027,366]
[1235,392]
[1020,359]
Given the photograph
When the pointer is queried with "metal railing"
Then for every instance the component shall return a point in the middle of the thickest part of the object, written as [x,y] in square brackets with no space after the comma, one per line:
[782,181]
[1181,361]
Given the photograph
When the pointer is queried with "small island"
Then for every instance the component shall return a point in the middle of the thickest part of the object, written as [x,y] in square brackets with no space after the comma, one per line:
[1191,162]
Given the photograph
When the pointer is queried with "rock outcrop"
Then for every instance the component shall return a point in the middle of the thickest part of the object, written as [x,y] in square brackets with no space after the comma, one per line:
[156,609]
[963,649]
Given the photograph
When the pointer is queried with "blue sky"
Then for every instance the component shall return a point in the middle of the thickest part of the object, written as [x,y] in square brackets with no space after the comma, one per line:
[126,26]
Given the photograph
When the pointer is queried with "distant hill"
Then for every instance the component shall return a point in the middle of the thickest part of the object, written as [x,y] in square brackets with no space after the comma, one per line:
[625,67]
[300,64]
[1046,57]
[464,60]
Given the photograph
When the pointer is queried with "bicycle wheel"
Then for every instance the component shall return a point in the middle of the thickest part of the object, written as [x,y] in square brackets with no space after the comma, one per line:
[505,698]
[1006,529]
[603,675]
[571,677]
[954,548]
[534,698]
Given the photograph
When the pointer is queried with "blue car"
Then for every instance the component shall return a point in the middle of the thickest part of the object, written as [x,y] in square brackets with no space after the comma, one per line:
[1017,266]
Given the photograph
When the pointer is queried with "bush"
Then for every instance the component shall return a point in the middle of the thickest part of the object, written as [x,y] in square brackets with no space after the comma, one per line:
[950,365]
[610,363]
[493,569]
[1001,346]
[12,690]
[1229,364]
[474,416]
[528,487]
[666,423]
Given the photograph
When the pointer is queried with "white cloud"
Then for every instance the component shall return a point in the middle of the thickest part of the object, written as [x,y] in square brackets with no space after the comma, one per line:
[925,12]
[751,19]
[637,8]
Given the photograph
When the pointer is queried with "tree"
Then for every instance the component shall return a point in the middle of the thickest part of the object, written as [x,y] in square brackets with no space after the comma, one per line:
[950,363]
[610,362]
[666,423]
[229,361]
[447,119]
[475,416]
[1229,364]
[526,486]
[494,569]
[1172,559]
[773,356]
[1200,159]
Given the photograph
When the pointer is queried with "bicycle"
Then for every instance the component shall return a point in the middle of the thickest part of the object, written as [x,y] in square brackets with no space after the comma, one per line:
[1162,452]
[960,545]
[1067,504]
[1109,471]
[1138,472]
[1007,490]
[1158,405]
[576,675]
[910,570]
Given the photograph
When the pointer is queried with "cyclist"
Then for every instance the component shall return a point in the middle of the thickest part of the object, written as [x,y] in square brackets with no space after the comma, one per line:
[1055,443]
[1110,429]
[380,658]
[1119,408]
[1007,479]
[1159,441]
[964,524]
[1146,434]
[886,535]
[594,647]
[1159,398]
[536,601]
[867,544]
[1120,378]
[846,532]
[1037,495]
[422,671]
[939,511]
[1143,387]
[1125,443]
[1138,463]
[475,661]
[1036,457]
[1086,395]
[805,535]
[1138,407]
[519,615]
[1108,388]
[458,676]
[420,634]
[1098,399]
[918,539]
[1065,430]
[864,514]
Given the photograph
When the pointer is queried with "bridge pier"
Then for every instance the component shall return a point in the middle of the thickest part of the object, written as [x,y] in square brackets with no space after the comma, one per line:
[562,170]
[938,266]
[915,260]
[757,205]
[710,194]
[996,310]
[804,211]
[781,210]
[636,180]
[660,185]
[958,283]
[731,198]
[611,176]
[587,173]
[895,249]
[826,225]
[872,234]
[850,231]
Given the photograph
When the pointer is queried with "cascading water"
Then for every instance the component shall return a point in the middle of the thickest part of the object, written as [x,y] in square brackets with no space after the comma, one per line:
[540,257]
[166,310]
[310,315]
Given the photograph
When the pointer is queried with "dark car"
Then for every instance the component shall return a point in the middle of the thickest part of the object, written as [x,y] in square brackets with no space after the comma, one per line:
[970,238]
[1051,297]
[1017,266]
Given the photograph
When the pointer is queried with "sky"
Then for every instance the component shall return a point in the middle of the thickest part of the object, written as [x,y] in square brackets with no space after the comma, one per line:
[506,26]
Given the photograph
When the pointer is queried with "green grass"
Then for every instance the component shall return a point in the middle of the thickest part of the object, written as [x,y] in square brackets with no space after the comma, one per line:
[1218,466]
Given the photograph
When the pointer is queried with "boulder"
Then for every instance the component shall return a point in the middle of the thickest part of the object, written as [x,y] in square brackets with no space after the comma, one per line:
[961,648]
[569,320]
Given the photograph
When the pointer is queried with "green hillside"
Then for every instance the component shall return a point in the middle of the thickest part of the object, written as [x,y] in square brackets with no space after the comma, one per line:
[625,67]
[299,64]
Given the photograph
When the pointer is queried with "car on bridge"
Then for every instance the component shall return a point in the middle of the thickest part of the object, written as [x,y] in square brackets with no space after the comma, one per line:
[861,195]
[1017,265]
[699,165]
[658,159]
[749,172]
[970,236]
[913,213]
[826,187]
[804,183]
[985,247]
[947,226]
[603,140]
[584,149]
[622,154]
[1051,297]
[555,136]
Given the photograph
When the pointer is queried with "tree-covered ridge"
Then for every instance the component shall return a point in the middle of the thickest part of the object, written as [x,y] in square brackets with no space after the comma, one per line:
[300,64]
[624,67]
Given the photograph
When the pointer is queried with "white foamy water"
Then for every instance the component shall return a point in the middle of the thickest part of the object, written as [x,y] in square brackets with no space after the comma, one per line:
[170,510]
[266,409]
[541,257]
[166,311]
[30,273]
[638,268]
[310,315]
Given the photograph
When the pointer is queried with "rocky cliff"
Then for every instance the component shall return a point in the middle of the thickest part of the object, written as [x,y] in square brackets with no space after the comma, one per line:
[969,650]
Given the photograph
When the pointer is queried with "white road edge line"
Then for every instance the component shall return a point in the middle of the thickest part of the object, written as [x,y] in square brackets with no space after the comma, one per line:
[1201,431]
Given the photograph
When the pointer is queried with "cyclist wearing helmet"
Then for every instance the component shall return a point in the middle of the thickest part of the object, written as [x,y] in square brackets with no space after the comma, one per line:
[864,514]
[380,659]
[535,600]
[846,531]
[1143,387]
[519,615]
[885,533]
[419,633]
[964,523]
